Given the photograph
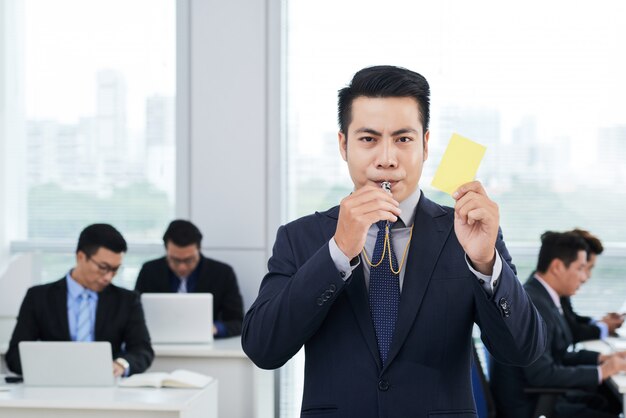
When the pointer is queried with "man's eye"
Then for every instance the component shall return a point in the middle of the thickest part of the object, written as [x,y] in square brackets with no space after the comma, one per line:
[405,139]
[367,139]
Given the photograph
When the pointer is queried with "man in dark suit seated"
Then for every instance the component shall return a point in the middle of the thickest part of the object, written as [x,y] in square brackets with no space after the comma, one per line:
[185,270]
[85,306]
[584,327]
[384,289]
[561,269]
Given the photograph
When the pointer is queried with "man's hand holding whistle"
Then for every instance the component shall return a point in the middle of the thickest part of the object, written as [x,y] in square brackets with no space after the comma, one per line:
[358,211]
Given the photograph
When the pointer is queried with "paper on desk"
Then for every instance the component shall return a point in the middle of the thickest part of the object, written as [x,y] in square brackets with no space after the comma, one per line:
[459,163]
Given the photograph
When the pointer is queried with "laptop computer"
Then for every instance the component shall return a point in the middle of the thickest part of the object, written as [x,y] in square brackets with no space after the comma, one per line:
[179,318]
[66,363]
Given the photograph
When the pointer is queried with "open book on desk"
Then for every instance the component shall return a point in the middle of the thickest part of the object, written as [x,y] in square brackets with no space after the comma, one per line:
[175,379]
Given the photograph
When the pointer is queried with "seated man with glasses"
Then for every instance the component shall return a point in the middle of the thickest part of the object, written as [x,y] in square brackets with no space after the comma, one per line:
[185,270]
[85,306]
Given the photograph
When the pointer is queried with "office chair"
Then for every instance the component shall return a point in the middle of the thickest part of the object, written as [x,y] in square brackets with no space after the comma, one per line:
[546,398]
[485,405]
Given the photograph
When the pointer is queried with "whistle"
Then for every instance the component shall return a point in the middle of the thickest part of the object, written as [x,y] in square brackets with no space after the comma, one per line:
[386,186]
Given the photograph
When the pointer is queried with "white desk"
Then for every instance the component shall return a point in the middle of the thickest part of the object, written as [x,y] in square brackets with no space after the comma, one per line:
[36,402]
[245,390]
[616,382]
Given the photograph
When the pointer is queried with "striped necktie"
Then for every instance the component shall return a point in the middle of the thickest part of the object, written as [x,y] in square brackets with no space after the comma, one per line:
[384,293]
[83,328]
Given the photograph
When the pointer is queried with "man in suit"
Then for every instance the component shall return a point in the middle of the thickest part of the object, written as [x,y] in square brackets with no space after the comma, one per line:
[185,270]
[388,333]
[561,269]
[85,306]
[584,327]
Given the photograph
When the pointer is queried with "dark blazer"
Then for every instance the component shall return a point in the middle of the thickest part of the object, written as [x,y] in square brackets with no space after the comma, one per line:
[581,326]
[214,277]
[556,367]
[304,301]
[119,320]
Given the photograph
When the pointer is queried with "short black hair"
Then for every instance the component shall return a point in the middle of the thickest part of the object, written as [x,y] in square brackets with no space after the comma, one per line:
[182,233]
[559,245]
[100,235]
[594,243]
[384,81]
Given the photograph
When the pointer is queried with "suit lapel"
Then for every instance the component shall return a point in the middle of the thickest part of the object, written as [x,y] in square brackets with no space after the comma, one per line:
[430,232]
[355,291]
[358,297]
[60,301]
[560,320]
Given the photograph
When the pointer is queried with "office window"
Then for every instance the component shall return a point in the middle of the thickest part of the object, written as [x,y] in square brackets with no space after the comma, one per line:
[98,124]
[539,83]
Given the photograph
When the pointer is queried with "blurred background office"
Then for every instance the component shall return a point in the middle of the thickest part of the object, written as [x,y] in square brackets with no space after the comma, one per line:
[138,112]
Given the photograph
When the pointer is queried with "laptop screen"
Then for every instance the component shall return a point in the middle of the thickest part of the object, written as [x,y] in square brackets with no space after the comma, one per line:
[179,318]
[67,363]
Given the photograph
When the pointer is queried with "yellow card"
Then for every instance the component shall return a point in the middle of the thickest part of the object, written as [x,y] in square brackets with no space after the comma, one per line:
[459,163]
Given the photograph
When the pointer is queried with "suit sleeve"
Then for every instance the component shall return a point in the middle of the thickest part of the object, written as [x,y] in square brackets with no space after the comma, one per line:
[26,329]
[546,372]
[287,311]
[231,309]
[511,328]
[138,350]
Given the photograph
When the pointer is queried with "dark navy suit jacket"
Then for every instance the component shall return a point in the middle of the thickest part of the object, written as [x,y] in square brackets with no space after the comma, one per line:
[304,301]
[119,320]
[555,368]
[214,277]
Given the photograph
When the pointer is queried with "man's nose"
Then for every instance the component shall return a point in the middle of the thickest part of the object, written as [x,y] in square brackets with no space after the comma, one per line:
[386,155]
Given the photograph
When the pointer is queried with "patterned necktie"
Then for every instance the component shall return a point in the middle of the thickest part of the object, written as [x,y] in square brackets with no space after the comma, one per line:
[83,328]
[384,293]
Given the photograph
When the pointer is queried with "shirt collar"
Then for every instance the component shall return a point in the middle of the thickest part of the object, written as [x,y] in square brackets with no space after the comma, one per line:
[408,206]
[553,295]
[74,289]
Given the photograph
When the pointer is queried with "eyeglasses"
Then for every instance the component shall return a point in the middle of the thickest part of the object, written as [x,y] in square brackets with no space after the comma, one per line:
[104,268]
[189,261]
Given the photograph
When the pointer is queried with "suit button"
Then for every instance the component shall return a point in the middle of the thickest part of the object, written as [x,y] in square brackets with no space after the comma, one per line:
[320,302]
[383,385]
[504,306]
[481,281]
[328,294]
[332,287]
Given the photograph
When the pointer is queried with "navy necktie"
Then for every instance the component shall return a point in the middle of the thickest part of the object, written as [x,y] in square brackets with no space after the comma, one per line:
[384,293]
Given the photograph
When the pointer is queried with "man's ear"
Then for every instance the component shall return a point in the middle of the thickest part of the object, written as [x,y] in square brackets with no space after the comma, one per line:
[556,266]
[343,145]
[425,139]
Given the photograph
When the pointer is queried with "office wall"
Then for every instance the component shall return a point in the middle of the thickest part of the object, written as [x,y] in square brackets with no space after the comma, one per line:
[232,191]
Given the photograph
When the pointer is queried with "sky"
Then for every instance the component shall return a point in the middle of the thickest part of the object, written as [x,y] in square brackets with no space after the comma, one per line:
[559,61]
[66,42]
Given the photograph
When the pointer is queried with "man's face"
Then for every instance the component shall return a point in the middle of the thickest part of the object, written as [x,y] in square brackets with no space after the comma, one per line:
[591,263]
[95,272]
[182,260]
[574,275]
[385,141]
